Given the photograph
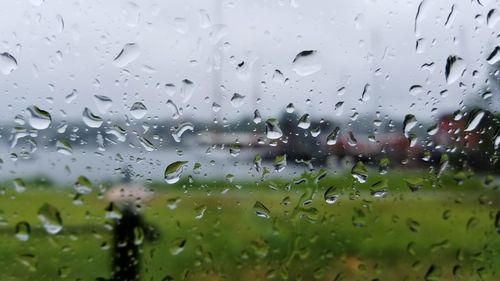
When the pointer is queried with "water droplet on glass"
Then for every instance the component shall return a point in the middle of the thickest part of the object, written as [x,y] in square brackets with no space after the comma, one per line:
[408,124]
[174,171]
[50,218]
[261,210]
[331,139]
[290,108]
[306,63]
[359,172]
[177,246]
[64,147]
[173,107]
[331,196]
[83,185]
[90,119]
[128,54]
[256,117]
[475,118]
[7,63]
[492,18]
[19,185]
[23,231]
[304,122]
[272,129]
[494,57]
[39,119]
[180,129]
[138,110]
[416,90]
[279,163]
[237,100]
[200,211]
[103,103]
[455,66]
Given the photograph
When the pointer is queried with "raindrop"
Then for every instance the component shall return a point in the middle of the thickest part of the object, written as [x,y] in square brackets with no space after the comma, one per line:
[138,110]
[257,118]
[174,171]
[331,196]
[179,130]
[304,122]
[173,107]
[475,118]
[19,185]
[455,66]
[261,210]
[83,185]
[408,124]
[306,63]
[39,119]
[64,147]
[177,246]
[494,57]
[279,163]
[237,100]
[90,119]
[359,172]
[272,129]
[23,231]
[200,211]
[146,144]
[331,139]
[7,63]
[257,163]
[103,103]
[416,90]
[492,18]
[50,218]
[128,54]
[290,108]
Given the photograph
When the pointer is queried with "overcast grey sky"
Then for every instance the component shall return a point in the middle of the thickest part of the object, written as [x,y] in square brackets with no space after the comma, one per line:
[63,45]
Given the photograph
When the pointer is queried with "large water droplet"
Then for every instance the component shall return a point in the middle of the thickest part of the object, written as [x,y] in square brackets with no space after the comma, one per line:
[261,210]
[279,163]
[306,63]
[237,100]
[19,185]
[177,246]
[90,119]
[23,231]
[128,54]
[492,18]
[138,110]
[455,66]
[304,122]
[359,172]
[83,185]
[494,57]
[475,118]
[272,130]
[174,171]
[39,119]
[50,218]
[331,139]
[7,63]
[103,103]
[64,147]
[408,124]
[178,130]
[331,196]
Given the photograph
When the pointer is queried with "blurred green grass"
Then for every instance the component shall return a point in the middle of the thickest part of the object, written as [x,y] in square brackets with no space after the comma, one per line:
[447,226]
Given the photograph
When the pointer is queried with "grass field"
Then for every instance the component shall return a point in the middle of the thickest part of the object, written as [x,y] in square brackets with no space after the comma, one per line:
[444,231]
